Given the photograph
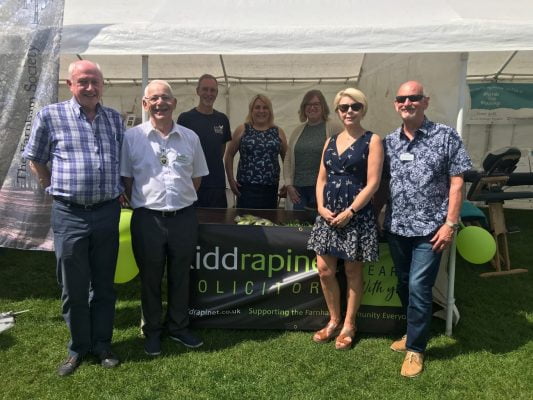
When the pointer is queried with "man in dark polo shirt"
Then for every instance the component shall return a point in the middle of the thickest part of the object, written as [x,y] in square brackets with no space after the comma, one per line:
[213,129]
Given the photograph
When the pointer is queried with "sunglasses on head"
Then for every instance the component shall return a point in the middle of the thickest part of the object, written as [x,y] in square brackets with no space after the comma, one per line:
[354,106]
[412,98]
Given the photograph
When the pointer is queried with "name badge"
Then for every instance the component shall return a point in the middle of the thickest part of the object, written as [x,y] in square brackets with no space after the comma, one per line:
[407,157]
[182,158]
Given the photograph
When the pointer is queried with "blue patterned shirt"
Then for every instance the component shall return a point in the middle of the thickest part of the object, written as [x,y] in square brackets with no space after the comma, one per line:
[84,156]
[420,172]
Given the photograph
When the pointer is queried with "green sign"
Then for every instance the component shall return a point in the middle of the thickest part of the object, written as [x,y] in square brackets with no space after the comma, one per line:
[491,96]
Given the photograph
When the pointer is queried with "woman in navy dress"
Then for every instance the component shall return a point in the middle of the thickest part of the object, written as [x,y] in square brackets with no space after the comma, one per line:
[260,143]
[346,229]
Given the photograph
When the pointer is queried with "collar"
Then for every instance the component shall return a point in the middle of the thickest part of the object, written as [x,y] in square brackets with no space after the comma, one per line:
[148,129]
[76,107]
[423,129]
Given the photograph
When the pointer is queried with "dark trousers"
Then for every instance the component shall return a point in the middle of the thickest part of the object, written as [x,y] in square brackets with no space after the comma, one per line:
[416,266]
[86,246]
[164,241]
[258,196]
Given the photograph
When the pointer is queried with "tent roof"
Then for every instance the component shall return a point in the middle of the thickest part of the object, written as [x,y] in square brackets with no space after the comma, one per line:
[291,39]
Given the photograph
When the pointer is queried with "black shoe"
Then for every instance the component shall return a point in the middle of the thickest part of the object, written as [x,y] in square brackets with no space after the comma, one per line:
[69,366]
[152,345]
[186,338]
[108,359]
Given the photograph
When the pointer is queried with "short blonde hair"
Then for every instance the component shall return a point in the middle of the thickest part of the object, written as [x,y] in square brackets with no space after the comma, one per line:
[354,94]
[268,103]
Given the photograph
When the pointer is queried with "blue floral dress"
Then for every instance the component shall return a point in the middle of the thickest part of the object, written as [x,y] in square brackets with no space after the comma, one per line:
[346,177]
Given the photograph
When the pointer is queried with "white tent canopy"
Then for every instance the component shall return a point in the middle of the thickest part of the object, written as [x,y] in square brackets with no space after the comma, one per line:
[284,47]
[238,38]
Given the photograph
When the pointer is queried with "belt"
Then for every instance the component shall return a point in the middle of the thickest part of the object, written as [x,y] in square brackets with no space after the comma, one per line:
[165,214]
[87,207]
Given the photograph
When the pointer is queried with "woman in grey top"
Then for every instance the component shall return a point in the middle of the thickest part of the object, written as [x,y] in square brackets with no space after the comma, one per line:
[301,164]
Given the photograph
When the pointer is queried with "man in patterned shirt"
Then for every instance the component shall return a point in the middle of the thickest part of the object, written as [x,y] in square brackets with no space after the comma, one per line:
[425,162]
[81,140]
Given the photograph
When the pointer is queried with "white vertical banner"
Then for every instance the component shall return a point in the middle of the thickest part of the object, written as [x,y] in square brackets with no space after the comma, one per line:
[29,55]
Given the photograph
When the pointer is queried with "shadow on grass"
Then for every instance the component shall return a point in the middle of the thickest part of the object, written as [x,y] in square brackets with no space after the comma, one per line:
[131,349]
[6,341]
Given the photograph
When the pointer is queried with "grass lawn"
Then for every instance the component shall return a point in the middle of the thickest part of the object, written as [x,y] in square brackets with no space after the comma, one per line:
[490,355]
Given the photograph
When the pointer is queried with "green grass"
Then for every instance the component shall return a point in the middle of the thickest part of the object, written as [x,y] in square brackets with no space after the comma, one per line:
[490,355]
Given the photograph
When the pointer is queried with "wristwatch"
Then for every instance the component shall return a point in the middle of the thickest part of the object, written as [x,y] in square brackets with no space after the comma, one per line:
[453,225]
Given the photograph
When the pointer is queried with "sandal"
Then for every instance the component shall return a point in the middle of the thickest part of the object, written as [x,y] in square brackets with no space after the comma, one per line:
[345,339]
[327,333]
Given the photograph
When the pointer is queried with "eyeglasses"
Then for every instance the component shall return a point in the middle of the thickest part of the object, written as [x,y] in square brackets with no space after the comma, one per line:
[345,107]
[412,98]
[154,99]
[313,105]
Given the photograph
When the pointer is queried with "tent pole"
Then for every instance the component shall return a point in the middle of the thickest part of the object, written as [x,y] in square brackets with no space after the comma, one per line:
[144,83]
[226,80]
[450,304]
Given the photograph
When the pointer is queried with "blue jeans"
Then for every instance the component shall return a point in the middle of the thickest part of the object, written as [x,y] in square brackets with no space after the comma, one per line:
[307,198]
[416,266]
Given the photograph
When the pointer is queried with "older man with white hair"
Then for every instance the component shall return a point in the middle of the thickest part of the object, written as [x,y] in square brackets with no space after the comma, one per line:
[81,140]
[162,164]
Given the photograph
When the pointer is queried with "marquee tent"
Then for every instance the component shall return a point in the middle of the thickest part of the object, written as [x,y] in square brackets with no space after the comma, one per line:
[283,48]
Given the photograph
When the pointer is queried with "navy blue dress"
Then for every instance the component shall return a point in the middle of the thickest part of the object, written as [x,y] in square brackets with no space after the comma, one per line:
[346,177]
[258,170]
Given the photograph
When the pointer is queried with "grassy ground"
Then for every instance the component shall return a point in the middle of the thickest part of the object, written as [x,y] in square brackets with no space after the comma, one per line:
[490,355]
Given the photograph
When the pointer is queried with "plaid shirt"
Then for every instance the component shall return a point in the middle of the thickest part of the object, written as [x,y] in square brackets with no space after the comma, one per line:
[420,172]
[84,156]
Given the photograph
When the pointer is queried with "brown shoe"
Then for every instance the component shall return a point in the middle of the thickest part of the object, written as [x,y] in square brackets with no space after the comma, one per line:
[413,364]
[399,345]
[327,333]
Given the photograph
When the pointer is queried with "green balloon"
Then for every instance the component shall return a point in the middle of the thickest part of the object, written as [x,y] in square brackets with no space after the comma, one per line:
[126,266]
[476,245]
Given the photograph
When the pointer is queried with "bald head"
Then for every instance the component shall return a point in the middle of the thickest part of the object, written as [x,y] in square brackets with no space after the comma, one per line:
[410,87]
[411,103]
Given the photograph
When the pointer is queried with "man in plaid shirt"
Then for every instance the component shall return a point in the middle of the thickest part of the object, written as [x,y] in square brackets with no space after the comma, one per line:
[74,151]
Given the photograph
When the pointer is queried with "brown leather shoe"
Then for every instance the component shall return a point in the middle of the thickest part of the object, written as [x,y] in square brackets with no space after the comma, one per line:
[327,333]
[413,364]
[399,345]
